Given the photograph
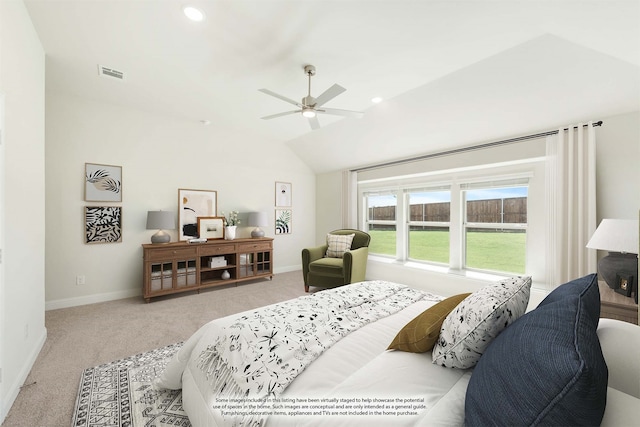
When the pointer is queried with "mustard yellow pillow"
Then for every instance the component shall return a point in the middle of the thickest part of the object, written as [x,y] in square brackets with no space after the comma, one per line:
[420,334]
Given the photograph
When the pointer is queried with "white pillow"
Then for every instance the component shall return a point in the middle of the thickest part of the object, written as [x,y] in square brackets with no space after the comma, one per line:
[338,244]
[470,327]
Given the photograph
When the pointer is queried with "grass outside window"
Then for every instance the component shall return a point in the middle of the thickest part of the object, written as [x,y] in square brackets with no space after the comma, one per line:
[486,250]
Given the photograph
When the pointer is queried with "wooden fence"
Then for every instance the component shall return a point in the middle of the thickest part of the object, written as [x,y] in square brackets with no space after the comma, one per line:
[511,210]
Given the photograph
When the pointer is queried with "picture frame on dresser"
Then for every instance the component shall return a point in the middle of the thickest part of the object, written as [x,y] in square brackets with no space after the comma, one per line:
[191,205]
[211,227]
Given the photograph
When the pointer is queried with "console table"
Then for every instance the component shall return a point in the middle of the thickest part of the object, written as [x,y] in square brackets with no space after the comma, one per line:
[171,268]
[616,306]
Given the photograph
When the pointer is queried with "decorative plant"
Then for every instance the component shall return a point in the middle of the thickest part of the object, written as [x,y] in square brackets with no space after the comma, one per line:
[231,219]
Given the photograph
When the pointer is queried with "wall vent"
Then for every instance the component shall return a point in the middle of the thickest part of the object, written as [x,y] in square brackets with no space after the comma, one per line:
[110,72]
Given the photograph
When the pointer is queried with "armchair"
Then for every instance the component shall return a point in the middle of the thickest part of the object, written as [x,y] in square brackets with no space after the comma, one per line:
[328,272]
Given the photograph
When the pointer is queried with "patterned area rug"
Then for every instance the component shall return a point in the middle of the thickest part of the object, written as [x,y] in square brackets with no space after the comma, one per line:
[120,394]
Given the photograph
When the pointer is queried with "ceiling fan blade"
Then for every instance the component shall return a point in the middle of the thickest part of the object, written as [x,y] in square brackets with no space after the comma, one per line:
[314,123]
[286,113]
[329,94]
[338,112]
[284,98]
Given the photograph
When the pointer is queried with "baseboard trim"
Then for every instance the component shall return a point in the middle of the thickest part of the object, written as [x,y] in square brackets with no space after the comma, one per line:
[90,299]
[111,296]
[14,389]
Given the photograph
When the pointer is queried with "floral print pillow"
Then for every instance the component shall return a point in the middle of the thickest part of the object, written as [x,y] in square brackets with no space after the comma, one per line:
[479,318]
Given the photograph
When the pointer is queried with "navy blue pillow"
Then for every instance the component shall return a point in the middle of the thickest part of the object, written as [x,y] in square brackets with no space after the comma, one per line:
[547,368]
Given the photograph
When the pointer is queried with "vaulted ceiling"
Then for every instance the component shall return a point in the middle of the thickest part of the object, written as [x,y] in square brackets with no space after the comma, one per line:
[449,69]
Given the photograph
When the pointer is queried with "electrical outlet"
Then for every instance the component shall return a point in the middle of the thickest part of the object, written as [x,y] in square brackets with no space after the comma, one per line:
[26,331]
[80,280]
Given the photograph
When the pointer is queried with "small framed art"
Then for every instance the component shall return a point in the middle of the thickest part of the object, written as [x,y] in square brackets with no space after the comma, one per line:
[283,221]
[624,284]
[211,227]
[283,194]
[102,183]
[103,224]
[191,205]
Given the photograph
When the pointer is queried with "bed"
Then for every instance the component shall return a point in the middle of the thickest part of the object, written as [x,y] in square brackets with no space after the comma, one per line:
[249,369]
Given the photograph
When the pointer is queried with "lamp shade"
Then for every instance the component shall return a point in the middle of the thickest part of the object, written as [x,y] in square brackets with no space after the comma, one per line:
[616,235]
[160,220]
[257,219]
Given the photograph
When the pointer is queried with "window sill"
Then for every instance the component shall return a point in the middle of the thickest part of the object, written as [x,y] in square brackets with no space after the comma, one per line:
[470,274]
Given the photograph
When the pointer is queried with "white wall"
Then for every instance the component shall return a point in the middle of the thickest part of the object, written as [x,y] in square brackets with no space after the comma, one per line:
[22,329]
[618,196]
[158,155]
[618,169]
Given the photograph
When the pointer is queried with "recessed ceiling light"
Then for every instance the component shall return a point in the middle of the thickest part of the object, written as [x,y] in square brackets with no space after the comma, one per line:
[376,100]
[193,13]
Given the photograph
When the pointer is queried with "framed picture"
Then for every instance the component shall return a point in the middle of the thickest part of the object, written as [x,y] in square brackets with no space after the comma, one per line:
[103,224]
[283,194]
[102,183]
[283,221]
[624,284]
[211,227]
[191,205]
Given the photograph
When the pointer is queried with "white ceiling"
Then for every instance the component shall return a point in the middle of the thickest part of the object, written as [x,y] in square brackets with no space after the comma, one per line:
[457,62]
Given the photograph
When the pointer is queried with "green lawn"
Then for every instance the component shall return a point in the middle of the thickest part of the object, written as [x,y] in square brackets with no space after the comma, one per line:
[485,250]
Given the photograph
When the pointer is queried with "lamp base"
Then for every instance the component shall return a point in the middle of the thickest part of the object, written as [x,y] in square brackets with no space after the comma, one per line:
[615,264]
[161,237]
[257,232]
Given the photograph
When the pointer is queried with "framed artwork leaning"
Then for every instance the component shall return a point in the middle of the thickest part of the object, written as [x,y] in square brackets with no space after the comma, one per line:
[211,227]
[191,205]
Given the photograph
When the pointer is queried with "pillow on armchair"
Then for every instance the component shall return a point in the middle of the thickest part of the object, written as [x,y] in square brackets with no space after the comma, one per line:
[338,244]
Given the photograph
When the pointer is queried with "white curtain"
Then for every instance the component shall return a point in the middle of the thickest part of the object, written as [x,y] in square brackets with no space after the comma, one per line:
[349,200]
[571,203]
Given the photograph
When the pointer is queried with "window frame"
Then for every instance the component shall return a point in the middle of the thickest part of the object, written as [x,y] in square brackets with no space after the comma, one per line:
[457,181]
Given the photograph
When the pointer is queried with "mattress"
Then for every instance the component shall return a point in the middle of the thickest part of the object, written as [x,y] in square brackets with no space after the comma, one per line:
[355,382]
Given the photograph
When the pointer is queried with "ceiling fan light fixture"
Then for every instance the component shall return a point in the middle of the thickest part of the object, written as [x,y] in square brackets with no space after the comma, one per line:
[308,113]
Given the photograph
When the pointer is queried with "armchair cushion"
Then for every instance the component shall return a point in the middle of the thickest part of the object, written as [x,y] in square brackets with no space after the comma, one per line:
[338,244]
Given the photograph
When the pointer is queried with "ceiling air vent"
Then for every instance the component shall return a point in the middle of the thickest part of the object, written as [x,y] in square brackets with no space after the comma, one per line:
[110,72]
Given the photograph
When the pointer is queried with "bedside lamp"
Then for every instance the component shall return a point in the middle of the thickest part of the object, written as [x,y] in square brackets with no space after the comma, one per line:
[160,220]
[620,238]
[257,220]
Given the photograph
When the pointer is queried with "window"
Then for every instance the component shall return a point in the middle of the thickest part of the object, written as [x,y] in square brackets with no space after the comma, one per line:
[495,226]
[381,222]
[429,215]
[464,223]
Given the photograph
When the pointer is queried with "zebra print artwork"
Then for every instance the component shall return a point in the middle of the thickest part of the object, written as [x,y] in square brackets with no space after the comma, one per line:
[103,224]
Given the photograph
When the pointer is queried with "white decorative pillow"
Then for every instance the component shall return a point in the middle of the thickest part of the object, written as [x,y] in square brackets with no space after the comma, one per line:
[338,244]
[470,327]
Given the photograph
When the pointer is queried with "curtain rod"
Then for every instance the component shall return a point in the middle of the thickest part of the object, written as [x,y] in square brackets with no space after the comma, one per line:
[465,149]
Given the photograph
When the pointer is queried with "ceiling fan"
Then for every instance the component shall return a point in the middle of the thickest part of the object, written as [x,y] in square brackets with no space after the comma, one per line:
[309,107]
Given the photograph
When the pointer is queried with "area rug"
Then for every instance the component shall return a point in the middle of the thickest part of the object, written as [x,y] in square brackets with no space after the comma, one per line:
[120,394]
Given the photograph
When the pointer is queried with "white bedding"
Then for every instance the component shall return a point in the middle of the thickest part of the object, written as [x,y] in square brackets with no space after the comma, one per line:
[356,369]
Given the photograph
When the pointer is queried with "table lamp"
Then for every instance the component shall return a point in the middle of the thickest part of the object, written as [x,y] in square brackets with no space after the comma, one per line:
[620,238]
[257,220]
[160,220]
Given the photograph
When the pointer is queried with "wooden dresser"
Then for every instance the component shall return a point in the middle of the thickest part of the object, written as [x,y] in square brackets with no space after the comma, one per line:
[181,267]
[616,306]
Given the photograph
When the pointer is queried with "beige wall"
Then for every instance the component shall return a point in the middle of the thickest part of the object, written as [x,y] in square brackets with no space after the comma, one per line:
[22,329]
[158,155]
